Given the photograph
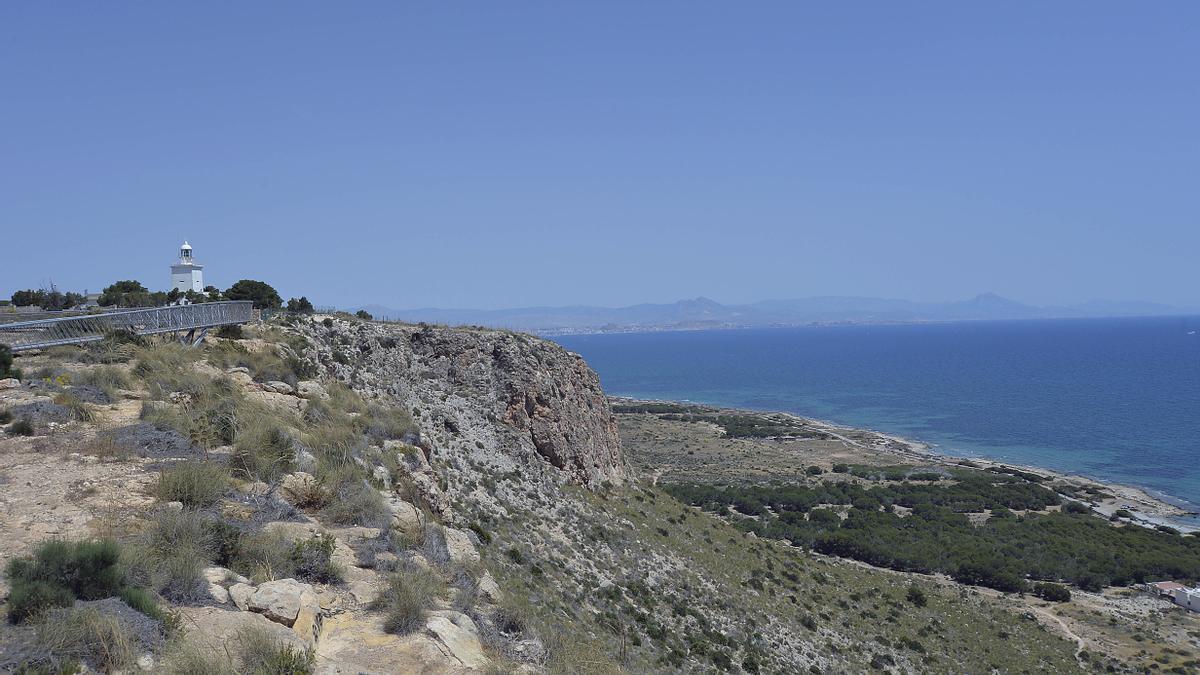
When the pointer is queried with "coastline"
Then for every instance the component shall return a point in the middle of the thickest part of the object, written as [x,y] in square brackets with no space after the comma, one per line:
[1147,508]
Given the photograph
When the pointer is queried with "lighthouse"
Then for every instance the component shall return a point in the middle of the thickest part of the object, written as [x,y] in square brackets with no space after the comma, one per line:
[187,274]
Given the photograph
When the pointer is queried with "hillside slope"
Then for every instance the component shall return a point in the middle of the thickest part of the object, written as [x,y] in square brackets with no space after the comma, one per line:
[602,556]
[349,496]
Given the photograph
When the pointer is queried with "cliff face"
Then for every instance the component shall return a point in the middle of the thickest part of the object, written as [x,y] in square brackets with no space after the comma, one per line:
[487,397]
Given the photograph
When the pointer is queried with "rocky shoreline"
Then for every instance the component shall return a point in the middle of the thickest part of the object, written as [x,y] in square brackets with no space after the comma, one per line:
[1147,509]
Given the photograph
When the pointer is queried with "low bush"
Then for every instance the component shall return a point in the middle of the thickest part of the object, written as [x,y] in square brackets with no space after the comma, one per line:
[105,446]
[22,427]
[411,592]
[59,572]
[387,423]
[77,408]
[355,502]
[5,416]
[194,483]
[231,331]
[211,411]
[6,361]
[318,412]
[264,556]
[337,442]
[917,596]
[265,365]
[263,450]
[118,346]
[29,598]
[1052,592]
[261,654]
[171,554]
[345,399]
[1077,508]
[186,658]
[141,600]
[107,378]
[86,633]
[313,559]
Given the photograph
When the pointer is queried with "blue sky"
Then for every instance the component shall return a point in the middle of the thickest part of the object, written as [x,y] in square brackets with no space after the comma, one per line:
[507,154]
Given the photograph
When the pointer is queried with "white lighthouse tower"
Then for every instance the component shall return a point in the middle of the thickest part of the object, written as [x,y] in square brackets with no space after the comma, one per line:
[187,274]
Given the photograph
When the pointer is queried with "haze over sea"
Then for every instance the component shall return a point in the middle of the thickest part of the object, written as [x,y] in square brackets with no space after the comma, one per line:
[1113,399]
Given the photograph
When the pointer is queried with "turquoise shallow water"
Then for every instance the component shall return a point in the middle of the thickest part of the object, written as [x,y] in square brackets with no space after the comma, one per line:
[1114,399]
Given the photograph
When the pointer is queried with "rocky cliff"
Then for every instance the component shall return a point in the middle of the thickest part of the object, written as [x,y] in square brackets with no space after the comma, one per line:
[481,398]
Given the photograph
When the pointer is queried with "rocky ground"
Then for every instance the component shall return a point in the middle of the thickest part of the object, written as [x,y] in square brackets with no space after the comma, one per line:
[60,483]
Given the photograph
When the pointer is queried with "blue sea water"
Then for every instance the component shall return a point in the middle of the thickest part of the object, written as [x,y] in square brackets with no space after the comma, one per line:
[1113,399]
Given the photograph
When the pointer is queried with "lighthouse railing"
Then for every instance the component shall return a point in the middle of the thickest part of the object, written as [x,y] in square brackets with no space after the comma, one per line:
[93,328]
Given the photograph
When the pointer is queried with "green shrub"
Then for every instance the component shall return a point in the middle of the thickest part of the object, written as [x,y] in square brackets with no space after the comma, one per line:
[261,654]
[264,556]
[5,417]
[1077,508]
[86,633]
[313,559]
[231,331]
[31,598]
[841,468]
[916,596]
[410,594]
[6,361]
[143,601]
[1052,592]
[364,315]
[61,571]
[196,484]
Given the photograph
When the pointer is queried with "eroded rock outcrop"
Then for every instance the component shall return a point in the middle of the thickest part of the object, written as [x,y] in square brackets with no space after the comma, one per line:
[517,400]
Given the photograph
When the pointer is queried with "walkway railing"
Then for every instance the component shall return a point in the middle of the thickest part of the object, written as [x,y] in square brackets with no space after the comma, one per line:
[80,329]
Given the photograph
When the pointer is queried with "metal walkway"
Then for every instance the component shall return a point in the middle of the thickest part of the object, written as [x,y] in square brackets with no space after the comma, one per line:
[80,329]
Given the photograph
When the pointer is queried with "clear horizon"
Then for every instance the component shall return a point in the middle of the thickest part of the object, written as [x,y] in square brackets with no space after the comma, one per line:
[547,155]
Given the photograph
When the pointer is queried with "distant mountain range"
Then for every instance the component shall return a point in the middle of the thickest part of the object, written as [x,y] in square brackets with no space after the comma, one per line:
[701,313]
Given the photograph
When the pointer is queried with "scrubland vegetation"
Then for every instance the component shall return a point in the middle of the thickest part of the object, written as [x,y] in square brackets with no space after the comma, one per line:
[216,439]
[734,424]
[937,536]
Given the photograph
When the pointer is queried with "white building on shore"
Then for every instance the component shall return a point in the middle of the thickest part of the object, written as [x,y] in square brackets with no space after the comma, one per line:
[187,274]
[1188,598]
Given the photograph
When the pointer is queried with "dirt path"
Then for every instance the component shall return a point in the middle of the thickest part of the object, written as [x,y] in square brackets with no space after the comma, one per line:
[1080,644]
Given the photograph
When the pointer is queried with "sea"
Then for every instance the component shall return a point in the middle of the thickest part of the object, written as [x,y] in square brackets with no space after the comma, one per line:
[1117,400]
